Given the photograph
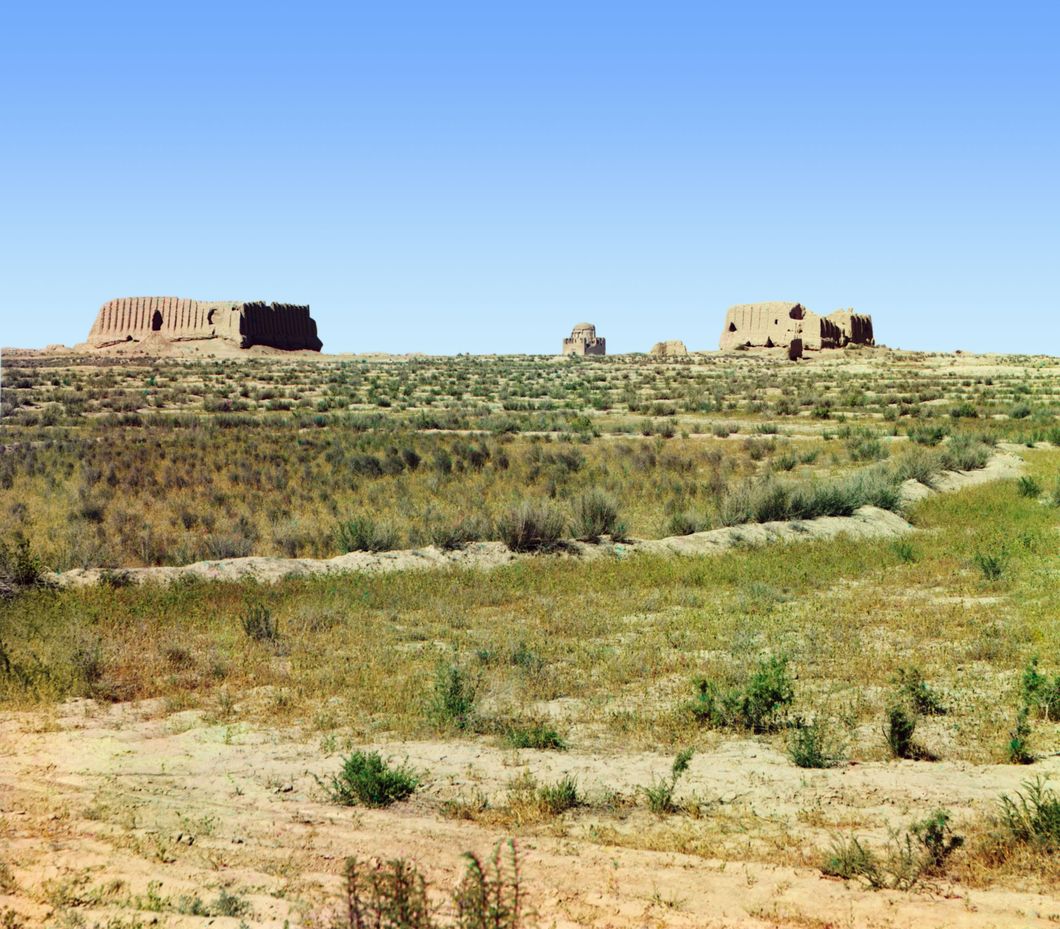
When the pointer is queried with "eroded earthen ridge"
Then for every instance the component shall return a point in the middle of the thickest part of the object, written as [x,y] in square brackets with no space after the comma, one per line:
[134,319]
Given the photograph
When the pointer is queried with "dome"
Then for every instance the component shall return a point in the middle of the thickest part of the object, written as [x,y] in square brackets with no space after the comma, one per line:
[584,327]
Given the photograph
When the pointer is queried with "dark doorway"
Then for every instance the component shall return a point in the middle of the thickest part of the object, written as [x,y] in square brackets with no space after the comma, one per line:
[156,321]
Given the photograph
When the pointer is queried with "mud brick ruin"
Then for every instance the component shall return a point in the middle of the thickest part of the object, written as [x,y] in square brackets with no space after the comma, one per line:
[583,341]
[173,319]
[780,324]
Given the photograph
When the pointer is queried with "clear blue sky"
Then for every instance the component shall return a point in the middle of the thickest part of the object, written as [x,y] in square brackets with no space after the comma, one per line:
[449,176]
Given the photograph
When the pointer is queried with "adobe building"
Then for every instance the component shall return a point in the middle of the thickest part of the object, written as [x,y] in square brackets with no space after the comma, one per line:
[779,324]
[174,319]
[583,341]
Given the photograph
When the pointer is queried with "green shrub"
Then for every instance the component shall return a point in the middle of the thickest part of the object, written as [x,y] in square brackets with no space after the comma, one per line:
[1039,693]
[259,624]
[757,706]
[990,564]
[913,687]
[1027,486]
[366,779]
[899,728]
[559,797]
[964,411]
[534,735]
[457,535]
[535,525]
[19,563]
[363,534]
[1030,818]
[1019,738]
[452,702]
[963,453]
[490,895]
[928,435]
[596,514]
[811,745]
[660,794]
[687,522]
[905,551]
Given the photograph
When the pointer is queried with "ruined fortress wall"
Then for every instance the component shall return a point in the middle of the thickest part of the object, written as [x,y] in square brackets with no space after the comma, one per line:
[778,324]
[280,325]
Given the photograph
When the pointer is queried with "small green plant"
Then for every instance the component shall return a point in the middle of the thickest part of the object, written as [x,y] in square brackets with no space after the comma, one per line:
[490,894]
[811,745]
[452,701]
[913,687]
[905,551]
[660,794]
[937,842]
[1027,486]
[535,735]
[366,779]
[1030,818]
[849,859]
[385,895]
[559,797]
[899,728]
[1019,737]
[1039,693]
[20,564]
[757,706]
[259,624]
[596,514]
[990,564]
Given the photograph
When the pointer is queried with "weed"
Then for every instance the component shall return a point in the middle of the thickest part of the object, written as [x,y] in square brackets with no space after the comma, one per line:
[660,794]
[811,745]
[559,797]
[1040,693]
[596,514]
[905,551]
[452,702]
[990,564]
[1030,818]
[1019,737]
[259,624]
[532,526]
[535,735]
[367,779]
[756,706]
[899,728]
[1027,486]
[363,534]
[923,699]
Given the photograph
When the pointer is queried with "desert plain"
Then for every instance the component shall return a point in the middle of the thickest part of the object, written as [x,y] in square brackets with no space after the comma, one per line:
[710,640]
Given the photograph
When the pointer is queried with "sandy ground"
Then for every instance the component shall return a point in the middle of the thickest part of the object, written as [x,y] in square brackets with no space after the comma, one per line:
[868,522]
[97,802]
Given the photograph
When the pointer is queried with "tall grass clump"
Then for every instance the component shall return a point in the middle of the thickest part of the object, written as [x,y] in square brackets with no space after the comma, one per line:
[452,701]
[964,453]
[532,526]
[363,534]
[660,794]
[772,500]
[812,745]
[259,624]
[595,514]
[1030,818]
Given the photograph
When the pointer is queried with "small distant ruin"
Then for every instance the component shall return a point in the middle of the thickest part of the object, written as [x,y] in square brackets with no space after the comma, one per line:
[779,324]
[672,348]
[584,341]
[174,319]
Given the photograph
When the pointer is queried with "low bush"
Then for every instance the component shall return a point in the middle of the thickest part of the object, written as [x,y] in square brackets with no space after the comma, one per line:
[899,729]
[923,699]
[532,526]
[660,795]
[812,745]
[534,735]
[452,701]
[1027,486]
[259,624]
[362,534]
[964,453]
[1031,818]
[596,514]
[1040,693]
[366,779]
[1018,749]
[757,705]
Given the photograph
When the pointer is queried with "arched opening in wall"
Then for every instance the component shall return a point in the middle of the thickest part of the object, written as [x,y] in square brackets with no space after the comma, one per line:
[210,316]
[156,321]
[732,327]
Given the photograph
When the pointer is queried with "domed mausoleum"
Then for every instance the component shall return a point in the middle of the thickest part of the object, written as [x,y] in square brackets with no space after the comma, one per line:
[583,341]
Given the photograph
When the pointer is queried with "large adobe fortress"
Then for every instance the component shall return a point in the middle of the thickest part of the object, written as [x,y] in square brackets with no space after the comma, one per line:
[780,324]
[174,319]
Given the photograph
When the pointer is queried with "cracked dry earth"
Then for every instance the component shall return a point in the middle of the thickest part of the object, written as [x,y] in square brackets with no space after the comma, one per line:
[110,815]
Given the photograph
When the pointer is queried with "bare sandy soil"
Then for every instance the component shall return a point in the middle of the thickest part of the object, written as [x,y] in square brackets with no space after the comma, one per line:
[96,803]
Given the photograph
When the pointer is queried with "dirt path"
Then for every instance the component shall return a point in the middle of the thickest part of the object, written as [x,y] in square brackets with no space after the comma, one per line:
[118,812]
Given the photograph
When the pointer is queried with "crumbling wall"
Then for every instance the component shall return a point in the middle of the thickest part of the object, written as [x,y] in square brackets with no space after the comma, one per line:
[135,319]
[777,324]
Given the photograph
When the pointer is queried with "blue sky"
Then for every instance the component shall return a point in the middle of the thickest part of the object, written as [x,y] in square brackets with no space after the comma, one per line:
[446,177]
